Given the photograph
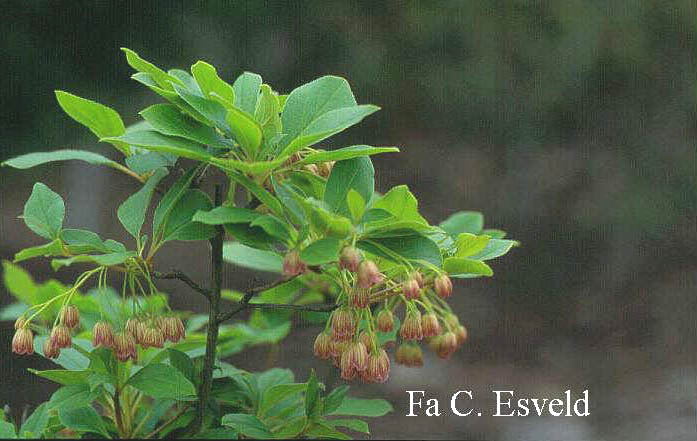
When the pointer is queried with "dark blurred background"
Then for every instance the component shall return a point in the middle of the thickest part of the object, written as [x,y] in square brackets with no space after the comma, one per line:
[570,124]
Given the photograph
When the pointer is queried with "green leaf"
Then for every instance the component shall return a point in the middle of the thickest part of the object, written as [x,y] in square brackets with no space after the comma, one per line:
[19,283]
[353,424]
[463,222]
[468,244]
[209,81]
[357,174]
[459,266]
[33,159]
[246,130]
[150,161]
[401,204]
[69,358]
[247,425]
[494,233]
[244,256]
[276,394]
[226,215]
[328,124]
[186,79]
[103,121]
[268,113]
[363,407]
[325,222]
[260,192]
[44,212]
[162,78]
[170,199]
[291,429]
[324,430]
[334,399]
[131,212]
[182,362]
[7,430]
[157,142]
[322,251]
[310,101]
[342,154]
[179,224]
[495,248]
[72,396]
[63,376]
[274,227]
[83,419]
[54,248]
[162,381]
[313,404]
[246,88]
[109,259]
[356,205]
[169,120]
[36,423]
[413,247]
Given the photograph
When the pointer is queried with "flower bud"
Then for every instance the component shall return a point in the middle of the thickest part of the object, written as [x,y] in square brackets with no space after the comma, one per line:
[20,322]
[430,325]
[343,324]
[23,341]
[349,259]
[415,356]
[325,168]
[378,367]
[446,345]
[367,339]
[50,349]
[411,328]
[70,316]
[411,289]
[60,335]
[125,346]
[323,346]
[102,335]
[419,278]
[292,265]
[368,274]
[172,329]
[443,286]
[359,297]
[385,321]
[461,335]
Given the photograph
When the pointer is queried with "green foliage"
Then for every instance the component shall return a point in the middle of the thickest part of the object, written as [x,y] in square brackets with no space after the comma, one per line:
[305,210]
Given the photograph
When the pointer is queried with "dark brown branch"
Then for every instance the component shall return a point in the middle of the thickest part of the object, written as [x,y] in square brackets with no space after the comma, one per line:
[179,275]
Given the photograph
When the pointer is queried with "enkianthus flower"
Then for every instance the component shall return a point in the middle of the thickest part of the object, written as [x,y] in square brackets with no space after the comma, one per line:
[343,324]
[415,356]
[385,321]
[125,346]
[23,341]
[349,259]
[337,349]
[70,316]
[312,168]
[461,335]
[446,345]
[452,321]
[411,328]
[20,322]
[102,334]
[367,339]
[443,286]
[136,328]
[430,325]
[323,346]
[153,337]
[411,289]
[353,360]
[325,168]
[60,335]
[419,278]
[378,367]
[50,349]
[173,329]
[369,275]
[359,297]
[292,265]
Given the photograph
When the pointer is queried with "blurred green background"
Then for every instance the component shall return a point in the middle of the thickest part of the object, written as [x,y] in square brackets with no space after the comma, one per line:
[570,124]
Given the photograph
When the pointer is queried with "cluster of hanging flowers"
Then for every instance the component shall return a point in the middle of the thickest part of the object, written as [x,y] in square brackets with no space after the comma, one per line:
[145,331]
[350,338]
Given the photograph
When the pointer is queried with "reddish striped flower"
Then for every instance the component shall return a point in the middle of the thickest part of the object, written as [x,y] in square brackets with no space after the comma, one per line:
[102,335]
[70,316]
[60,335]
[385,321]
[23,341]
[443,286]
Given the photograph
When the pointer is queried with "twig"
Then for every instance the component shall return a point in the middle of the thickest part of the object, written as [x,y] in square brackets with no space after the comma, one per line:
[167,423]
[179,275]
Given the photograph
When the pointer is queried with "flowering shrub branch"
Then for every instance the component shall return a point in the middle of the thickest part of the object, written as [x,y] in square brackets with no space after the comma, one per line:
[366,266]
